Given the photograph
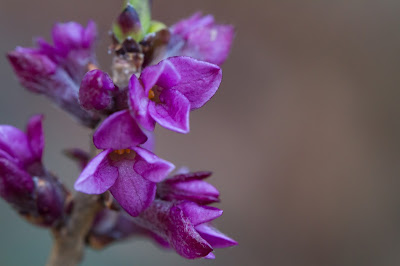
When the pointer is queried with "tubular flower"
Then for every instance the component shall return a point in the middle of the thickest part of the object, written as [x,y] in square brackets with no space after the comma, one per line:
[57,70]
[165,93]
[24,182]
[201,38]
[186,227]
[129,172]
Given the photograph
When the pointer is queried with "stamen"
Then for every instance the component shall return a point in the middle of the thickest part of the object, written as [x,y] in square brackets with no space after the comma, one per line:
[117,155]
[151,94]
[91,67]
[122,151]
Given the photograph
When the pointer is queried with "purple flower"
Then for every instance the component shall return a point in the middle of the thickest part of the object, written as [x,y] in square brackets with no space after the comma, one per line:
[201,38]
[128,171]
[186,227]
[188,186]
[24,182]
[166,92]
[57,70]
[183,225]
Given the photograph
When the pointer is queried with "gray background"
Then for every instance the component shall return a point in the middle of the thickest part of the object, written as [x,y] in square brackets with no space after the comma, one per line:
[303,135]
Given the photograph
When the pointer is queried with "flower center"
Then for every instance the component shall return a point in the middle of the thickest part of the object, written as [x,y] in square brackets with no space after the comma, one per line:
[154,94]
[123,151]
[117,155]
[151,94]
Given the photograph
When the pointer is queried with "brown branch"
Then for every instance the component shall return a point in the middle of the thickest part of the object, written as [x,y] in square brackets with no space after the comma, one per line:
[69,240]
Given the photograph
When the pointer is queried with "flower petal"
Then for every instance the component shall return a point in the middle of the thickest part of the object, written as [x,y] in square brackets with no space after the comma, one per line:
[199,214]
[194,190]
[196,21]
[210,256]
[131,190]
[184,175]
[68,36]
[173,111]
[199,80]
[184,238]
[150,166]
[14,142]
[163,74]
[118,131]
[32,68]
[35,136]
[94,92]
[98,176]
[151,141]
[210,44]
[201,38]
[215,237]
[89,35]
[16,185]
[138,102]
[74,46]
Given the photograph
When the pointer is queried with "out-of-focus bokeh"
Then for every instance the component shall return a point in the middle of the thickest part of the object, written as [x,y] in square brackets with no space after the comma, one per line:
[303,135]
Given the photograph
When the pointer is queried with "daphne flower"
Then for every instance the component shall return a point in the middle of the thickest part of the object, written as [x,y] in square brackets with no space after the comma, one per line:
[165,93]
[128,171]
[24,182]
[57,70]
[186,227]
[201,38]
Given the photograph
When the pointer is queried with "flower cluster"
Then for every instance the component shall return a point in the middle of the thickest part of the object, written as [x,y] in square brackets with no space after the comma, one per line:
[159,75]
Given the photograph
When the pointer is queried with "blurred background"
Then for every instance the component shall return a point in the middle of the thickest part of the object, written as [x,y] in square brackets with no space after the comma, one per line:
[302,136]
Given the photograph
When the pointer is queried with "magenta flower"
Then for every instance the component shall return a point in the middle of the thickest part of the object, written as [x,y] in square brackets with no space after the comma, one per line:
[188,186]
[186,227]
[24,182]
[57,70]
[165,93]
[128,171]
[201,38]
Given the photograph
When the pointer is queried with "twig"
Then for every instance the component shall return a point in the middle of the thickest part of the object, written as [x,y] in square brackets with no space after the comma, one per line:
[69,240]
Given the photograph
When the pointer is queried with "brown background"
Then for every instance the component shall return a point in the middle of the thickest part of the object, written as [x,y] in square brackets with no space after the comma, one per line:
[303,135]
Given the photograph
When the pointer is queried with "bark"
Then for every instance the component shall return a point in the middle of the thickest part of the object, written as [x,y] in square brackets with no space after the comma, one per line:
[69,239]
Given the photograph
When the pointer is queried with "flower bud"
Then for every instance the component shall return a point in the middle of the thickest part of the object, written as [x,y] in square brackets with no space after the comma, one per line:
[57,70]
[94,92]
[24,182]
